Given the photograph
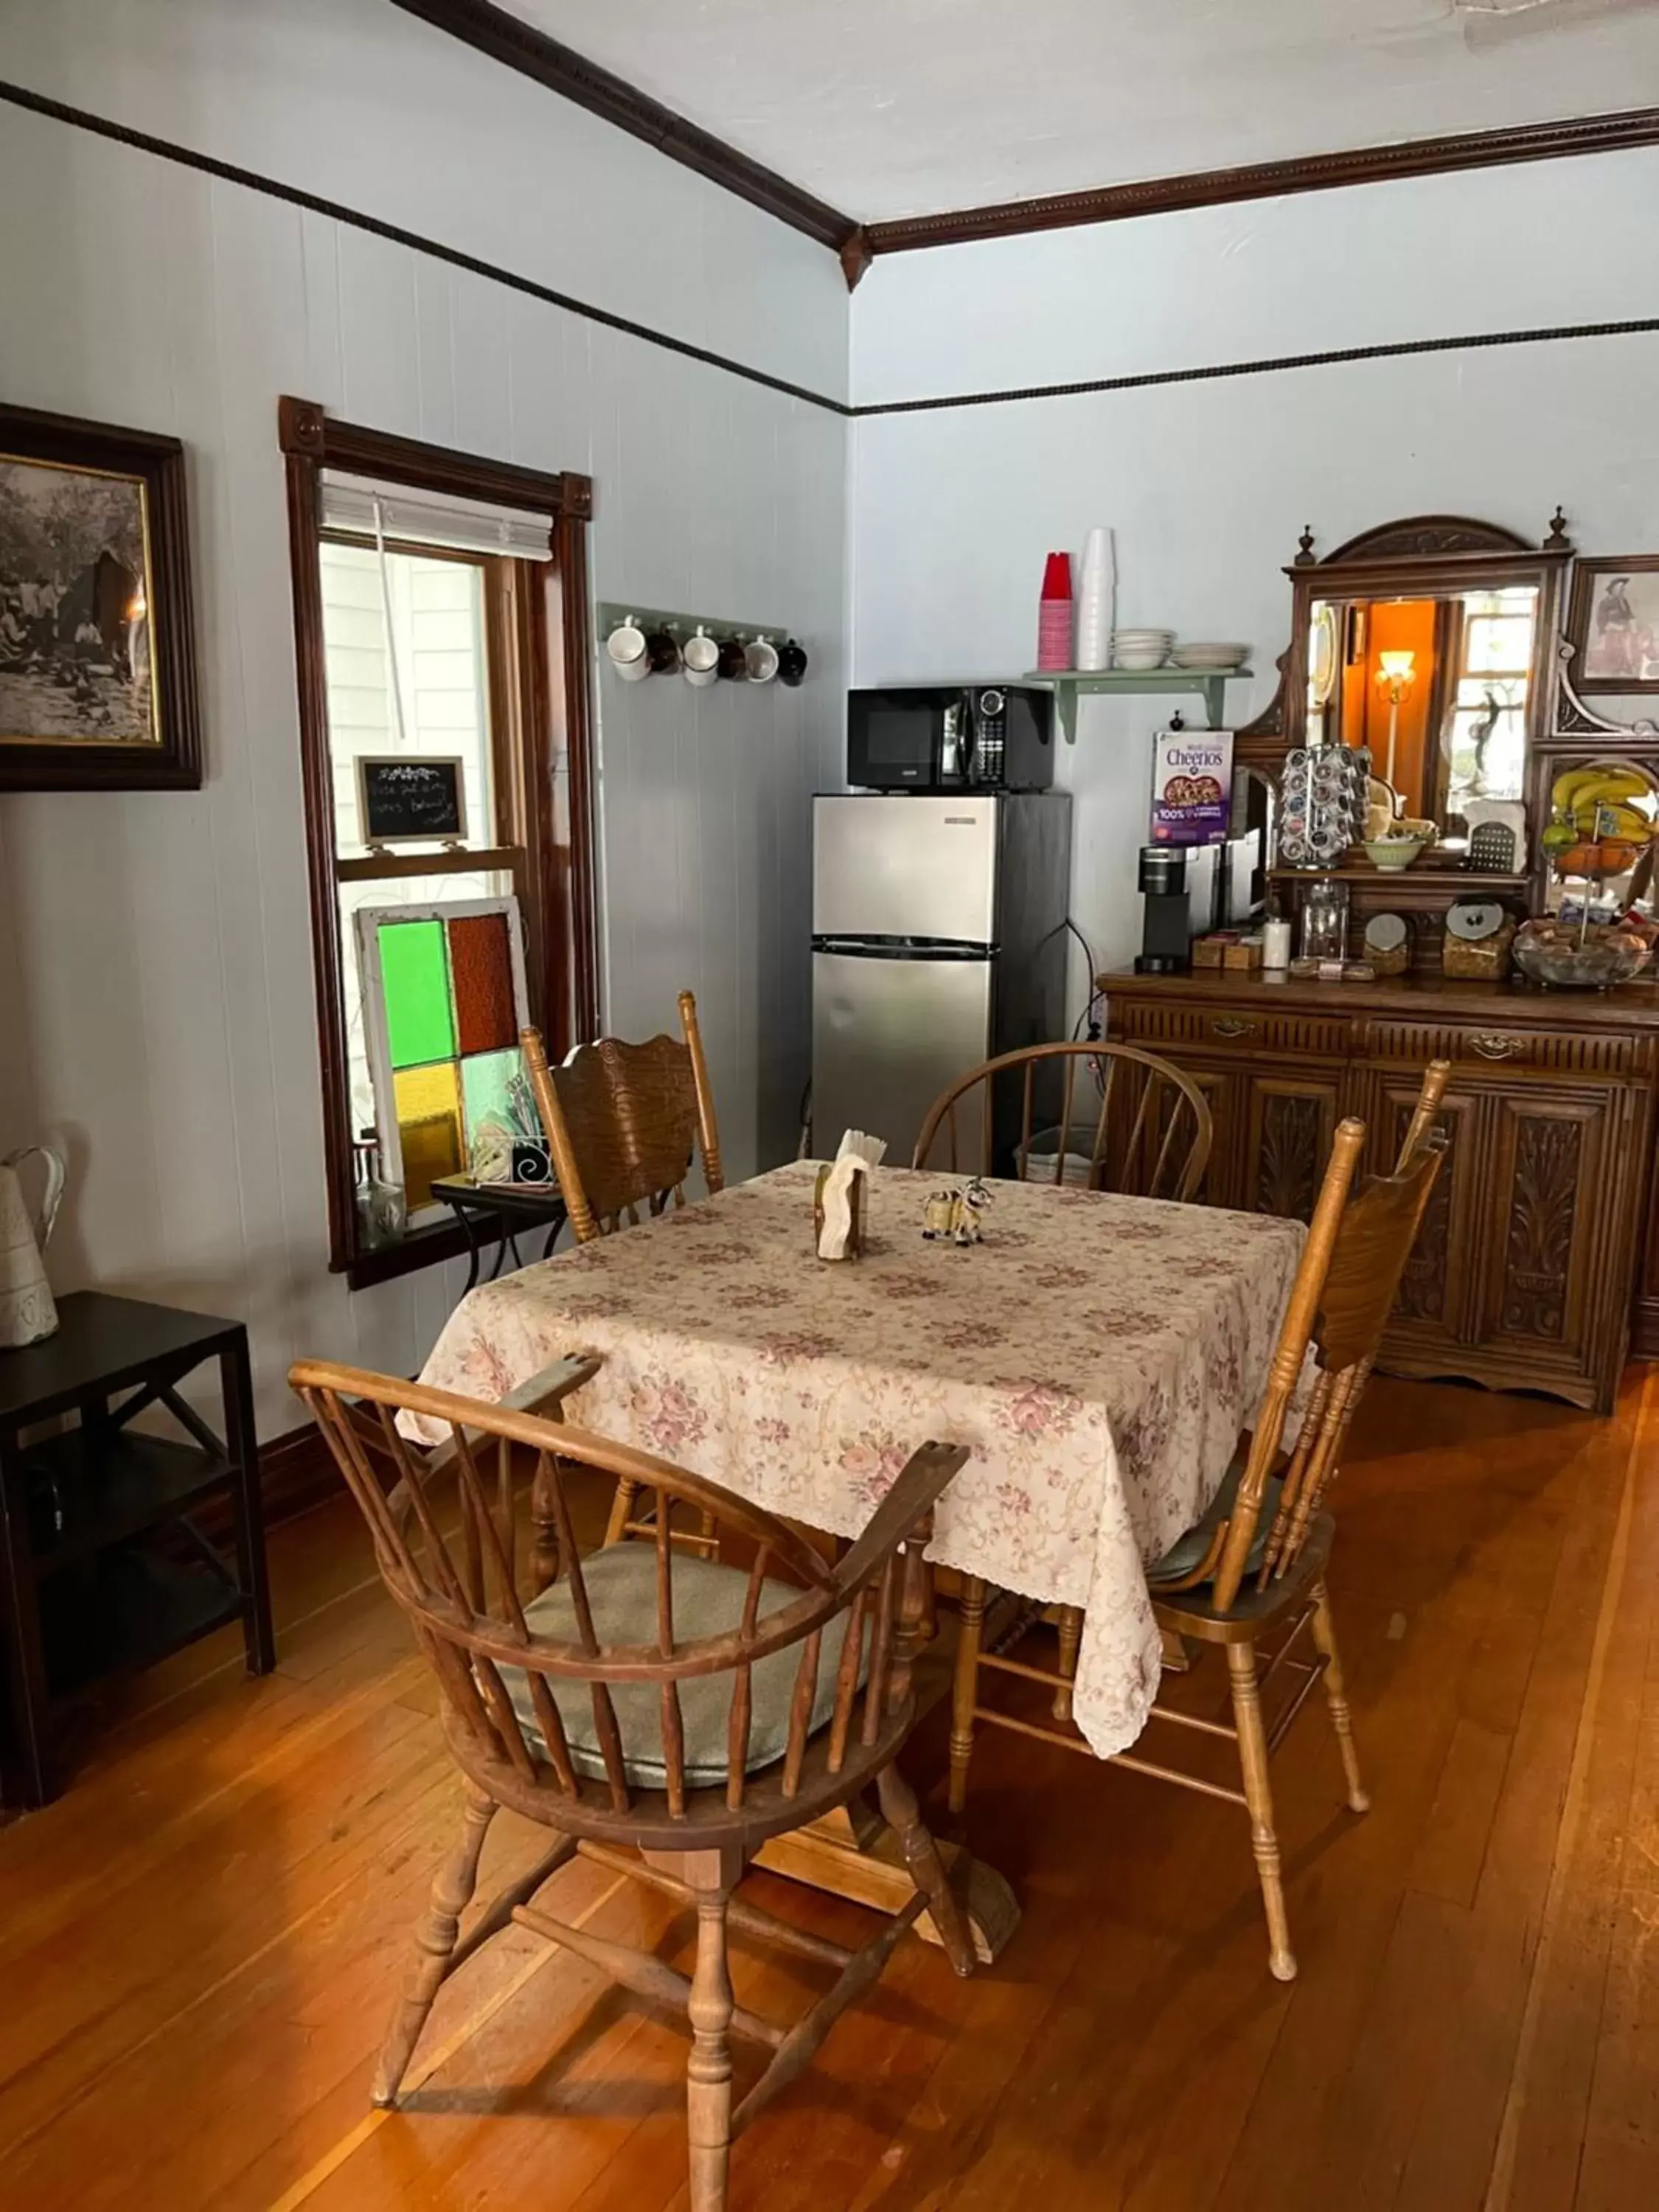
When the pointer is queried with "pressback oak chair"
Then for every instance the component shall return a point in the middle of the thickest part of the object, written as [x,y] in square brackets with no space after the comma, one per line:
[1253,1570]
[622,1122]
[1150,1131]
[642,1698]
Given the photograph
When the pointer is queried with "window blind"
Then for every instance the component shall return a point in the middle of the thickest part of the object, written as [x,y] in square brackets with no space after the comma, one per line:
[401,513]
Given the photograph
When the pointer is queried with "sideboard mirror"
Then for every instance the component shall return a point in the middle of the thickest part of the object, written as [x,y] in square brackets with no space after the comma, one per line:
[1432,641]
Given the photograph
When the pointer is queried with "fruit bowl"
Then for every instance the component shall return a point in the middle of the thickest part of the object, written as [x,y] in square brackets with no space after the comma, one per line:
[1550,952]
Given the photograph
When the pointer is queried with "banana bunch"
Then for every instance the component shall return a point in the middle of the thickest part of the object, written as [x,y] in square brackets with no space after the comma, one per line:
[1596,799]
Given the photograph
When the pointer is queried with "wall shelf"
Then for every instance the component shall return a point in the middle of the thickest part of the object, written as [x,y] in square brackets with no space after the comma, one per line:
[1070,684]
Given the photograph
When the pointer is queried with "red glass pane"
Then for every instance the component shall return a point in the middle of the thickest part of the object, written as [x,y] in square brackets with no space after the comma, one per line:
[481,970]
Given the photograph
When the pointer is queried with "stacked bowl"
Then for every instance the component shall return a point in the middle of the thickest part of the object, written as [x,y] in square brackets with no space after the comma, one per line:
[1141,648]
[1216,659]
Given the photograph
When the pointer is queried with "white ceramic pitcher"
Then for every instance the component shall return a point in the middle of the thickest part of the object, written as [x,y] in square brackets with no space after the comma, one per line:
[26,1311]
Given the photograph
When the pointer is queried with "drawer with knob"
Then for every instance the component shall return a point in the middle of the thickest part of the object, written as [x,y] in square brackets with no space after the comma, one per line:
[1500,1045]
[1159,1026]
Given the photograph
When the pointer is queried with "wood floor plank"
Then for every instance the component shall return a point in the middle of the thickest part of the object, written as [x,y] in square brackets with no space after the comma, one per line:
[199,1942]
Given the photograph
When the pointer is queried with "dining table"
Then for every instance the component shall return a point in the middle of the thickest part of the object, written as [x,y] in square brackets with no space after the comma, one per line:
[1097,1354]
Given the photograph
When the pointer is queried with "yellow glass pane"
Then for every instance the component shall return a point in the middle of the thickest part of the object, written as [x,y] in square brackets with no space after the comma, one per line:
[429,1101]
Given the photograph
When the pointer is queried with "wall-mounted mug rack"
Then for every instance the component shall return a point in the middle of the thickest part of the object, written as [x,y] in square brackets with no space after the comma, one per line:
[642,641]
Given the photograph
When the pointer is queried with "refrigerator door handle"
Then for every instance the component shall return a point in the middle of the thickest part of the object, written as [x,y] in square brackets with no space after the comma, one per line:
[903,948]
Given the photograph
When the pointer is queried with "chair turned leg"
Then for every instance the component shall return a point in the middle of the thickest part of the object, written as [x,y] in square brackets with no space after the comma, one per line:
[709,2072]
[901,1811]
[1070,1635]
[1258,1793]
[435,1945]
[1336,1693]
[622,1506]
[965,1693]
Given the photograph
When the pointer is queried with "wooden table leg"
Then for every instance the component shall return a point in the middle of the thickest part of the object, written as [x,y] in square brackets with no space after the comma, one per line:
[853,1852]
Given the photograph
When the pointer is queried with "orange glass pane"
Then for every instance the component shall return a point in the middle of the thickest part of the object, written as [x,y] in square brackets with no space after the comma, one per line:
[428,1103]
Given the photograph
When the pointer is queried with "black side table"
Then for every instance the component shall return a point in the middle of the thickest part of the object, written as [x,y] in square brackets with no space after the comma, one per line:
[102,1569]
[502,1209]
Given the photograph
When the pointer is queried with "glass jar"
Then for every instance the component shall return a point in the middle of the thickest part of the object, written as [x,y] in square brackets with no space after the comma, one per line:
[382,1214]
[1325,920]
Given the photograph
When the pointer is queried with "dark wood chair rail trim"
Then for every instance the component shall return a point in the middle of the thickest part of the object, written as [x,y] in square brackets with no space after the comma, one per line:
[143,141]
[509,40]
[857,256]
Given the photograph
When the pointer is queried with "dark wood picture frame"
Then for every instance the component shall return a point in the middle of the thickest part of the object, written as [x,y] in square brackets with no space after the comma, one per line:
[1588,576]
[530,622]
[174,763]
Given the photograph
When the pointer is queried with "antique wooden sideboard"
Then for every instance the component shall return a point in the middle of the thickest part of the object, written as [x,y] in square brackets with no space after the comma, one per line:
[1538,1266]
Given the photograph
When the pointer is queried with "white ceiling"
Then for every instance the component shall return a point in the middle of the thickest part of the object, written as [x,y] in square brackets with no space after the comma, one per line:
[889,107]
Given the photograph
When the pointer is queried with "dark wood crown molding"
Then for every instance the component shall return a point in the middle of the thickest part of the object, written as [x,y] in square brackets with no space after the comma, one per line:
[1315,173]
[507,39]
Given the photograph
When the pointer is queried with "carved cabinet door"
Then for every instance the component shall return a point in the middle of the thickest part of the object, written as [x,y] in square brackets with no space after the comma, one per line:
[1547,1193]
[1289,1122]
[1223,1088]
[1439,1304]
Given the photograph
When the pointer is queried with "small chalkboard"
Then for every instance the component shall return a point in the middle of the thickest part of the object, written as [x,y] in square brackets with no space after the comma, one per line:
[403,800]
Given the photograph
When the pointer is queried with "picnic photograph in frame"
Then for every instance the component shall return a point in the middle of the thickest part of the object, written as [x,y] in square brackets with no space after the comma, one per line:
[1613,623]
[97,674]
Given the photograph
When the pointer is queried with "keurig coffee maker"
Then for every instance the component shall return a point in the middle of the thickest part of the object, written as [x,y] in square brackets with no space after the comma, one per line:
[1178,883]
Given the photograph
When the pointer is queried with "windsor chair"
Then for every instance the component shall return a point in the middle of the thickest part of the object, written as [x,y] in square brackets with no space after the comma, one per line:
[642,1698]
[1151,1127]
[1254,1567]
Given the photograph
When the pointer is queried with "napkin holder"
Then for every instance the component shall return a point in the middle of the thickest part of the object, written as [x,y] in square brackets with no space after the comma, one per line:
[856,1200]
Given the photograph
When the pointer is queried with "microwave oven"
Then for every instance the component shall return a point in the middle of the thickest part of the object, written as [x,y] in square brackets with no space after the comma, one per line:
[951,737]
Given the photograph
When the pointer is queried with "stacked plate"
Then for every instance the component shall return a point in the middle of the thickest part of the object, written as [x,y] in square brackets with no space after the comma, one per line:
[1211,656]
[1141,648]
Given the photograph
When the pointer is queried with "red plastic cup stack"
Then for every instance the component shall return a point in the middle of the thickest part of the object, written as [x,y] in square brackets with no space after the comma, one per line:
[1055,614]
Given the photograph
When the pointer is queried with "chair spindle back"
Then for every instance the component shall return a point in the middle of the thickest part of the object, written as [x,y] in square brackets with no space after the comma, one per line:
[462,1570]
[1146,1123]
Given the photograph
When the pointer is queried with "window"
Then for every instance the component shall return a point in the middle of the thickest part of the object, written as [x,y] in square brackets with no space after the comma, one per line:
[440,616]
[1485,743]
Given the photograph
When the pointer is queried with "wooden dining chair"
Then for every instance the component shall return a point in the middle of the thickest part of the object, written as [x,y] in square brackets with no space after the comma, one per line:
[640,1699]
[1252,1571]
[623,1122]
[1151,1131]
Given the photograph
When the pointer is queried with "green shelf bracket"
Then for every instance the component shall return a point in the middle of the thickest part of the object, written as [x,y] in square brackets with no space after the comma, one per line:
[1070,684]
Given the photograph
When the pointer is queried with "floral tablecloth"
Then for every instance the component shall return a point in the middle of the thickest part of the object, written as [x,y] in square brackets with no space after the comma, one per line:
[1099,1354]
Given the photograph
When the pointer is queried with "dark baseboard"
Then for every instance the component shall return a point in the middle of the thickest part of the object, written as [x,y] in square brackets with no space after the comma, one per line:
[1644,1329]
[297,1472]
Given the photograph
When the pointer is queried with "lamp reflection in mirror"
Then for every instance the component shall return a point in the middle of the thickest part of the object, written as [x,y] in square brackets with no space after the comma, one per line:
[1396,672]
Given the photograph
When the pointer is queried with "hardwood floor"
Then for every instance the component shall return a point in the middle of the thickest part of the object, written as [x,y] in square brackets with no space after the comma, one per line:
[199,1944]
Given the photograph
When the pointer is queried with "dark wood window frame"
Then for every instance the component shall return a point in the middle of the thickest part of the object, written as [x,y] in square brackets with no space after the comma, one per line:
[534,627]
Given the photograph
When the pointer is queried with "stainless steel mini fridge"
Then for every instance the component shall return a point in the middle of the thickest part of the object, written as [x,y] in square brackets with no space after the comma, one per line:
[939,940]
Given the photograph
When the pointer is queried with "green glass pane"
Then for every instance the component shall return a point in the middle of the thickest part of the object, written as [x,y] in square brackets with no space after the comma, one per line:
[415,974]
[491,1109]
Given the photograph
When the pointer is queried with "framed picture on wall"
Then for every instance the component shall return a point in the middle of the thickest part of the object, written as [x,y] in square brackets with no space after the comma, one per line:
[97,662]
[1613,625]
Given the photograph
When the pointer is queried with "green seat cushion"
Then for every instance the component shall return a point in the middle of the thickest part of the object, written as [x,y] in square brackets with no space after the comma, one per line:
[1186,1551]
[621,1581]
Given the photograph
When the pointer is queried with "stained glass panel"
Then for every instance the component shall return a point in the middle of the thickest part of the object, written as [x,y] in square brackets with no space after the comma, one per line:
[481,962]
[415,976]
[429,1107]
[493,1114]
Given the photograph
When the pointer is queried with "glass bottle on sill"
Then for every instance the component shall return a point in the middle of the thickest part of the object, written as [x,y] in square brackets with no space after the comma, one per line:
[382,1215]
